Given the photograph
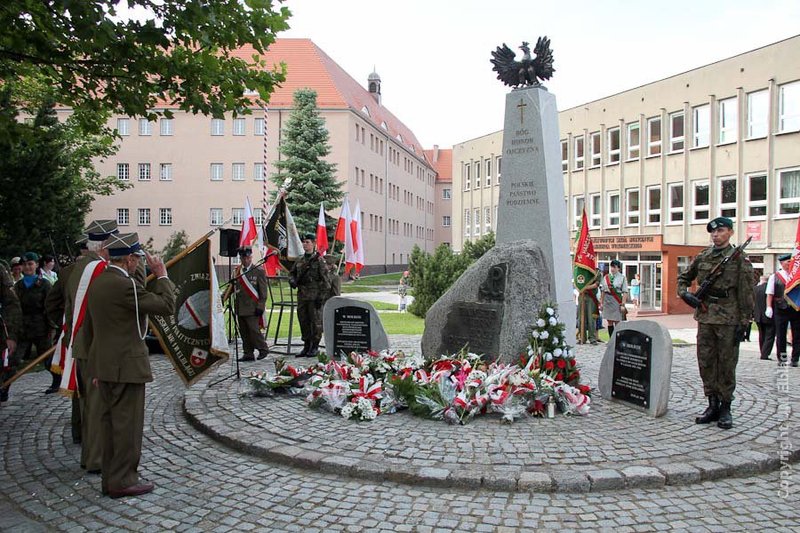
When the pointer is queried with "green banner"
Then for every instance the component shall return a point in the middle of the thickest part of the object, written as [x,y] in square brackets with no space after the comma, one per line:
[194,337]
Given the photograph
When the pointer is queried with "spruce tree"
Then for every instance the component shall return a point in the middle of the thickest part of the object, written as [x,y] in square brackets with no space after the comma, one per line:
[313,180]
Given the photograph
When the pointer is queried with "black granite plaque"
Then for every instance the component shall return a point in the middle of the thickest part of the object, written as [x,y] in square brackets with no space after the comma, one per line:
[474,324]
[351,330]
[633,352]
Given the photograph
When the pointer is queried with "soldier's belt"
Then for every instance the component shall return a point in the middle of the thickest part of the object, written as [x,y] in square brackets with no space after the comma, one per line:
[717,294]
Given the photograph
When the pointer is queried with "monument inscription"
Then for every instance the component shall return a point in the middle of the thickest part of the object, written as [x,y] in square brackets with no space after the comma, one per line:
[473,324]
[633,351]
[351,330]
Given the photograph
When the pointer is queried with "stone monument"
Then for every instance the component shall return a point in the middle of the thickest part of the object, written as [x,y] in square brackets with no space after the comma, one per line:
[352,325]
[637,366]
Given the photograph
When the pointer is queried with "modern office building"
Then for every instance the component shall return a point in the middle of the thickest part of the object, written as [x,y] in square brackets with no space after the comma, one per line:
[194,172]
[654,164]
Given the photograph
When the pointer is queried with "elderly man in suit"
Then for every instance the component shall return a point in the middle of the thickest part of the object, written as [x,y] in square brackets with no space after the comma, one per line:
[118,358]
[765,324]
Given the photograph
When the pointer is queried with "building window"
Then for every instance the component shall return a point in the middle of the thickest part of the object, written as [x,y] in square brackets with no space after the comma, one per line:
[258,171]
[499,169]
[613,146]
[239,126]
[165,172]
[145,127]
[467,181]
[123,127]
[467,213]
[165,216]
[564,156]
[700,202]
[789,107]
[258,216]
[446,194]
[217,126]
[216,171]
[258,126]
[476,221]
[144,216]
[578,204]
[676,132]
[446,221]
[478,175]
[613,210]
[123,171]
[487,218]
[488,173]
[165,127]
[789,191]
[595,149]
[238,172]
[757,114]
[579,156]
[653,205]
[728,121]
[634,141]
[237,216]
[123,216]
[757,196]
[594,211]
[654,136]
[701,125]
[727,196]
[144,171]
[675,203]
[216,216]
[632,207]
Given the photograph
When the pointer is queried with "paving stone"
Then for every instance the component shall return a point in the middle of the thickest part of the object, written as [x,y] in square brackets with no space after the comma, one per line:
[606,479]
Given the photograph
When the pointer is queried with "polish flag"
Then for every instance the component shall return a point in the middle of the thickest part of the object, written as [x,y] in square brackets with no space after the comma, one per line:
[322,232]
[344,228]
[342,224]
[249,231]
[358,242]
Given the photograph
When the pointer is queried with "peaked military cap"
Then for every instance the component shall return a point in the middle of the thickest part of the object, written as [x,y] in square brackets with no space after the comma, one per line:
[244,252]
[16,260]
[719,222]
[100,230]
[784,257]
[82,241]
[124,244]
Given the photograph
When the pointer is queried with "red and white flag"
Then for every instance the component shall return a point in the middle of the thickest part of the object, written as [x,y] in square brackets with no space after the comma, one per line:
[343,223]
[322,232]
[344,233]
[249,231]
[358,242]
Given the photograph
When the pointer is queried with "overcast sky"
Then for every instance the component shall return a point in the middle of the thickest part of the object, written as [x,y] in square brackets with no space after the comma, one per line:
[433,55]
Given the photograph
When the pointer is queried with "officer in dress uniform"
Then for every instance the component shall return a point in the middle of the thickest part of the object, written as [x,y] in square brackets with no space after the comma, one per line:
[784,314]
[10,323]
[115,328]
[310,277]
[251,299]
[729,306]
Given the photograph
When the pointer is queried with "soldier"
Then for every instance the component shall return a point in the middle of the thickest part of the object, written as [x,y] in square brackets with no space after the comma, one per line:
[309,277]
[251,299]
[332,270]
[114,331]
[784,314]
[727,308]
[37,329]
[10,322]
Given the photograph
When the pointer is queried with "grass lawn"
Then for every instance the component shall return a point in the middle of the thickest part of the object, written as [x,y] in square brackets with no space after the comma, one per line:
[378,279]
[349,287]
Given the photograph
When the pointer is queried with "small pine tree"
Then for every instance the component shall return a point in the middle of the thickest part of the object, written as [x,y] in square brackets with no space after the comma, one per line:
[304,148]
[178,241]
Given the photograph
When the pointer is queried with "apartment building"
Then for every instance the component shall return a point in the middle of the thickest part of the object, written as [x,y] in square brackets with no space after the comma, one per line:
[654,164]
[193,172]
[442,161]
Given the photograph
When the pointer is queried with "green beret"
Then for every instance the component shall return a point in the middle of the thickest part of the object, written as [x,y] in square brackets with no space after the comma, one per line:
[784,257]
[30,256]
[719,222]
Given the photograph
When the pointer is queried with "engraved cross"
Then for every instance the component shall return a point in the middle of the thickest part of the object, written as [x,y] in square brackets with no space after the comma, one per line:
[521,107]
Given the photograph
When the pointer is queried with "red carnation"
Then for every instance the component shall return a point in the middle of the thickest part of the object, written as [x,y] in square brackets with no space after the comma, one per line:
[561,363]
[584,388]
[549,365]
[559,377]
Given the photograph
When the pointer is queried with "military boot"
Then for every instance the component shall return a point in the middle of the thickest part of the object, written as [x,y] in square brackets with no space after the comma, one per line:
[725,418]
[306,347]
[711,414]
[314,350]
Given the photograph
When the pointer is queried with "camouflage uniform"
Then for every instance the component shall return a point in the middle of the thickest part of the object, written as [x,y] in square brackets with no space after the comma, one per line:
[37,329]
[729,304]
[10,323]
[310,275]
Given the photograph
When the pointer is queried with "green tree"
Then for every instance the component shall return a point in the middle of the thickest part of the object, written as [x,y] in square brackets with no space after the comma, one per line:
[178,241]
[304,147]
[183,52]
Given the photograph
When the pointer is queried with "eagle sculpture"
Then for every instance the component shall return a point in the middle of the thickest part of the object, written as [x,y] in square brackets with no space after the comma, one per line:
[525,72]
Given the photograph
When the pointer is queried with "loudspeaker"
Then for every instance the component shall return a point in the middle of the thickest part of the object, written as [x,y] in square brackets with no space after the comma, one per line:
[229,242]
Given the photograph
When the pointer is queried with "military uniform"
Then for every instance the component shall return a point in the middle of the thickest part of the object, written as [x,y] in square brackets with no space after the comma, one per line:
[588,312]
[37,329]
[251,299]
[729,305]
[310,275]
[10,324]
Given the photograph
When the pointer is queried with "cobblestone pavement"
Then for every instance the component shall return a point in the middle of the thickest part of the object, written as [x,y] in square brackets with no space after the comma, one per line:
[202,485]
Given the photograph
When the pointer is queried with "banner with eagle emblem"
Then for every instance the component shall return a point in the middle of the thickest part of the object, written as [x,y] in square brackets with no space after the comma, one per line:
[584,264]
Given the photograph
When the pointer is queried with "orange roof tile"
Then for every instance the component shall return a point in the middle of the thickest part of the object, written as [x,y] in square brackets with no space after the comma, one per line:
[443,164]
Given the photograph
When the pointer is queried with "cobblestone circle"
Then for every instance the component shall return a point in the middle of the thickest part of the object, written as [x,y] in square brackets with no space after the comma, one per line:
[204,486]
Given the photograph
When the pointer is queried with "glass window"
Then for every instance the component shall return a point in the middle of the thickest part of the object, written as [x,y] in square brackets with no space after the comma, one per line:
[237,216]
[238,172]
[467,181]
[757,114]
[613,210]
[488,172]
[446,221]
[123,216]
[700,201]
[728,121]
[216,171]
[594,211]
[216,216]
[165,172]
[487,218]
[123,126]
[632,207]
[258,216]
[446,194]
[613,146]
[654,136]
[789,107]
[165,126]
[578,153]
[727,196]
[467,222]
[789,191]
[165,216]
[676,132]
[258,171]
[701,125]
[258,126]
[675,202]
[239,126]
[476,221]
[145,127]
[144,216]
[634,140]
[595,149]
[478,175]
[578,203]
[123,171]
[499,168]
[757,196]
[564,155]
[144,171]
[217,126]
[654,205]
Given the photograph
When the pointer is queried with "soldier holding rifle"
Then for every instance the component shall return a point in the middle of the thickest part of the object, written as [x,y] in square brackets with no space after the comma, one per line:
[723,307]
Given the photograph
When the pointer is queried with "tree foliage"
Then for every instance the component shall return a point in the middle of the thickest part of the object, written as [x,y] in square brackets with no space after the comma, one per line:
[178,241]
[432,275]
[182,52]
[304,147]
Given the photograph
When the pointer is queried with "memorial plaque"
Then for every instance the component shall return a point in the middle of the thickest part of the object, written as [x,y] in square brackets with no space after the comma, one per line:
[351,330]
[475,324]
[632,367]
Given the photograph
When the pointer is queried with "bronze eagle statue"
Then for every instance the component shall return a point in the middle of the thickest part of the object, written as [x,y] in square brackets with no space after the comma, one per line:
[525,72]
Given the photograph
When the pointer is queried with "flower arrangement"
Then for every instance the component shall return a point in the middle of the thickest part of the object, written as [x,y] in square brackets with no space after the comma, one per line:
[286,379]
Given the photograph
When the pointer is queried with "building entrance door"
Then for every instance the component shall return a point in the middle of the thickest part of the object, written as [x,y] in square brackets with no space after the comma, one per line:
[650,295]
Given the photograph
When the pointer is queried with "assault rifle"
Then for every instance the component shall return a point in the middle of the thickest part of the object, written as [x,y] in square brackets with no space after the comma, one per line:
[696,299]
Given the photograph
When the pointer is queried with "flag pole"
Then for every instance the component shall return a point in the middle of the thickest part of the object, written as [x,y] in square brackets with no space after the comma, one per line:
[28,368]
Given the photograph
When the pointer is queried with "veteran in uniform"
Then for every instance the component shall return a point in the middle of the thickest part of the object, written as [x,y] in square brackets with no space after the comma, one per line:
[251,299]
[727,308]
[785,316]
[115,328]
[310,277]
[10,323]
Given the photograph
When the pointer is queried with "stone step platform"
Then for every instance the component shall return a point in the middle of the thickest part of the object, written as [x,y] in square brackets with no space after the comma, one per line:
[614,447]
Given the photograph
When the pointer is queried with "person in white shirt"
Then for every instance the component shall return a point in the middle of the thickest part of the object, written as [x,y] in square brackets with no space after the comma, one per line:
[783,313]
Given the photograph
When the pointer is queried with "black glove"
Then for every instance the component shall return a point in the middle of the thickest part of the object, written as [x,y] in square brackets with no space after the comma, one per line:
[740,334]
[293,282]
[690,299]
[259,312]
